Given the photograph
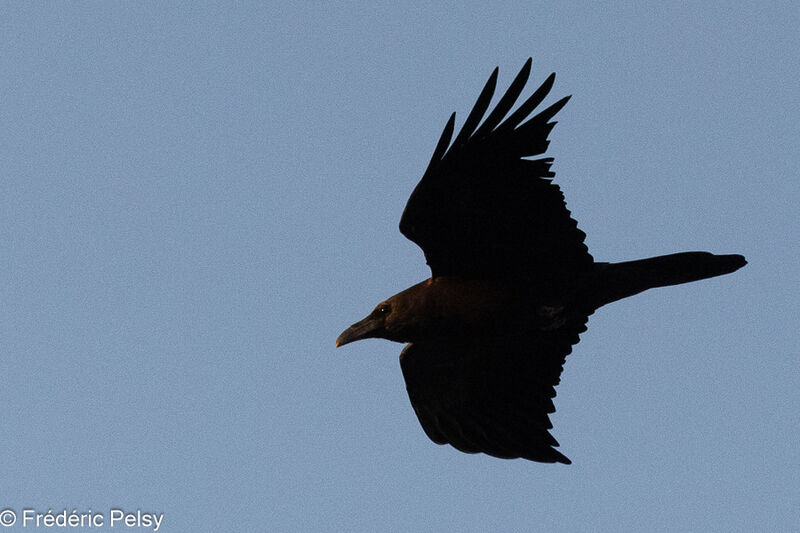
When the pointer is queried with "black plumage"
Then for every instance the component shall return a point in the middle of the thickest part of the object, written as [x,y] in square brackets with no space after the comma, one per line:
[512,285]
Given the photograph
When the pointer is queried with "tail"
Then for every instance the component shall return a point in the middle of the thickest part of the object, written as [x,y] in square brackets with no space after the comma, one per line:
[620,280]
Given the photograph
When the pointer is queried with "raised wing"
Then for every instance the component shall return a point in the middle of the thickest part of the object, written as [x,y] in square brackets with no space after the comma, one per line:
[491,395]
[482,209]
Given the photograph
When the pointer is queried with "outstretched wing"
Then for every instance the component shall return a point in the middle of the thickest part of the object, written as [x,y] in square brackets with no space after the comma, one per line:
[491,395]
[482,209]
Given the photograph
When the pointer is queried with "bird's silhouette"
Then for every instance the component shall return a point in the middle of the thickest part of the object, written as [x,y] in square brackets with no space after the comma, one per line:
[512,283]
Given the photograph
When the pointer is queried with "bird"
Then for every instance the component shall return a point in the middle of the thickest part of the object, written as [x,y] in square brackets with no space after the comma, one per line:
[512,282]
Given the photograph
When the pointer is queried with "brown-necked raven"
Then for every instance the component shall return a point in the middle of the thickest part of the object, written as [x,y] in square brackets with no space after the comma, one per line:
[512,283]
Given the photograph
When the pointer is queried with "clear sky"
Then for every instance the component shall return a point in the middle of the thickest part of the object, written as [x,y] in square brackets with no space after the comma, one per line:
[196,199]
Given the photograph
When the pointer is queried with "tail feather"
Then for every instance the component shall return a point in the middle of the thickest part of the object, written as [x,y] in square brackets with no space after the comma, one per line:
[620,280]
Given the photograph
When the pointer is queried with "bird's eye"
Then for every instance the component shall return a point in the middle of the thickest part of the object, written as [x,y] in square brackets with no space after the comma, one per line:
[384,309]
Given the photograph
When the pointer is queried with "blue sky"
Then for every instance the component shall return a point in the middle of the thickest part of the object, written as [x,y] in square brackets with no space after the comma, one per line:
[196,199]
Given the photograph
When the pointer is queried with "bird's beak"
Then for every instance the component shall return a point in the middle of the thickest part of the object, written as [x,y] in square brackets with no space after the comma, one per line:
[363,329]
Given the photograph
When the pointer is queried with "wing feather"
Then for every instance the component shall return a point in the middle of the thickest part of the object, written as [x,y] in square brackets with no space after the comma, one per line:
[444,140]
[506,102]
[530,104]
[482,210]
[491,395]
[478,110]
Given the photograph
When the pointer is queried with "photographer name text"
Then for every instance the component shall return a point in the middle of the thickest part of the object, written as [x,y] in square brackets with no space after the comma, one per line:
[114,518]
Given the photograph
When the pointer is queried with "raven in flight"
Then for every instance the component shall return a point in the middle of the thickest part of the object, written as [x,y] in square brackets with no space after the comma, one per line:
[512,283]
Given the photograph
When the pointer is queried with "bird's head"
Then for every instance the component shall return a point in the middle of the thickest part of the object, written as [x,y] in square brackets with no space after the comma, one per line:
[401,318]
[374,325]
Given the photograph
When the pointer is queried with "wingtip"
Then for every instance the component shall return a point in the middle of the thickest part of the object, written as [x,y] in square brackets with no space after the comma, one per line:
[493,79]
[444,142]
[559,457]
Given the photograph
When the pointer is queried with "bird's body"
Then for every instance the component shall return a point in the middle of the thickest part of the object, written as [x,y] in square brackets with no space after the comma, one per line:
[513,283]
[448,306]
